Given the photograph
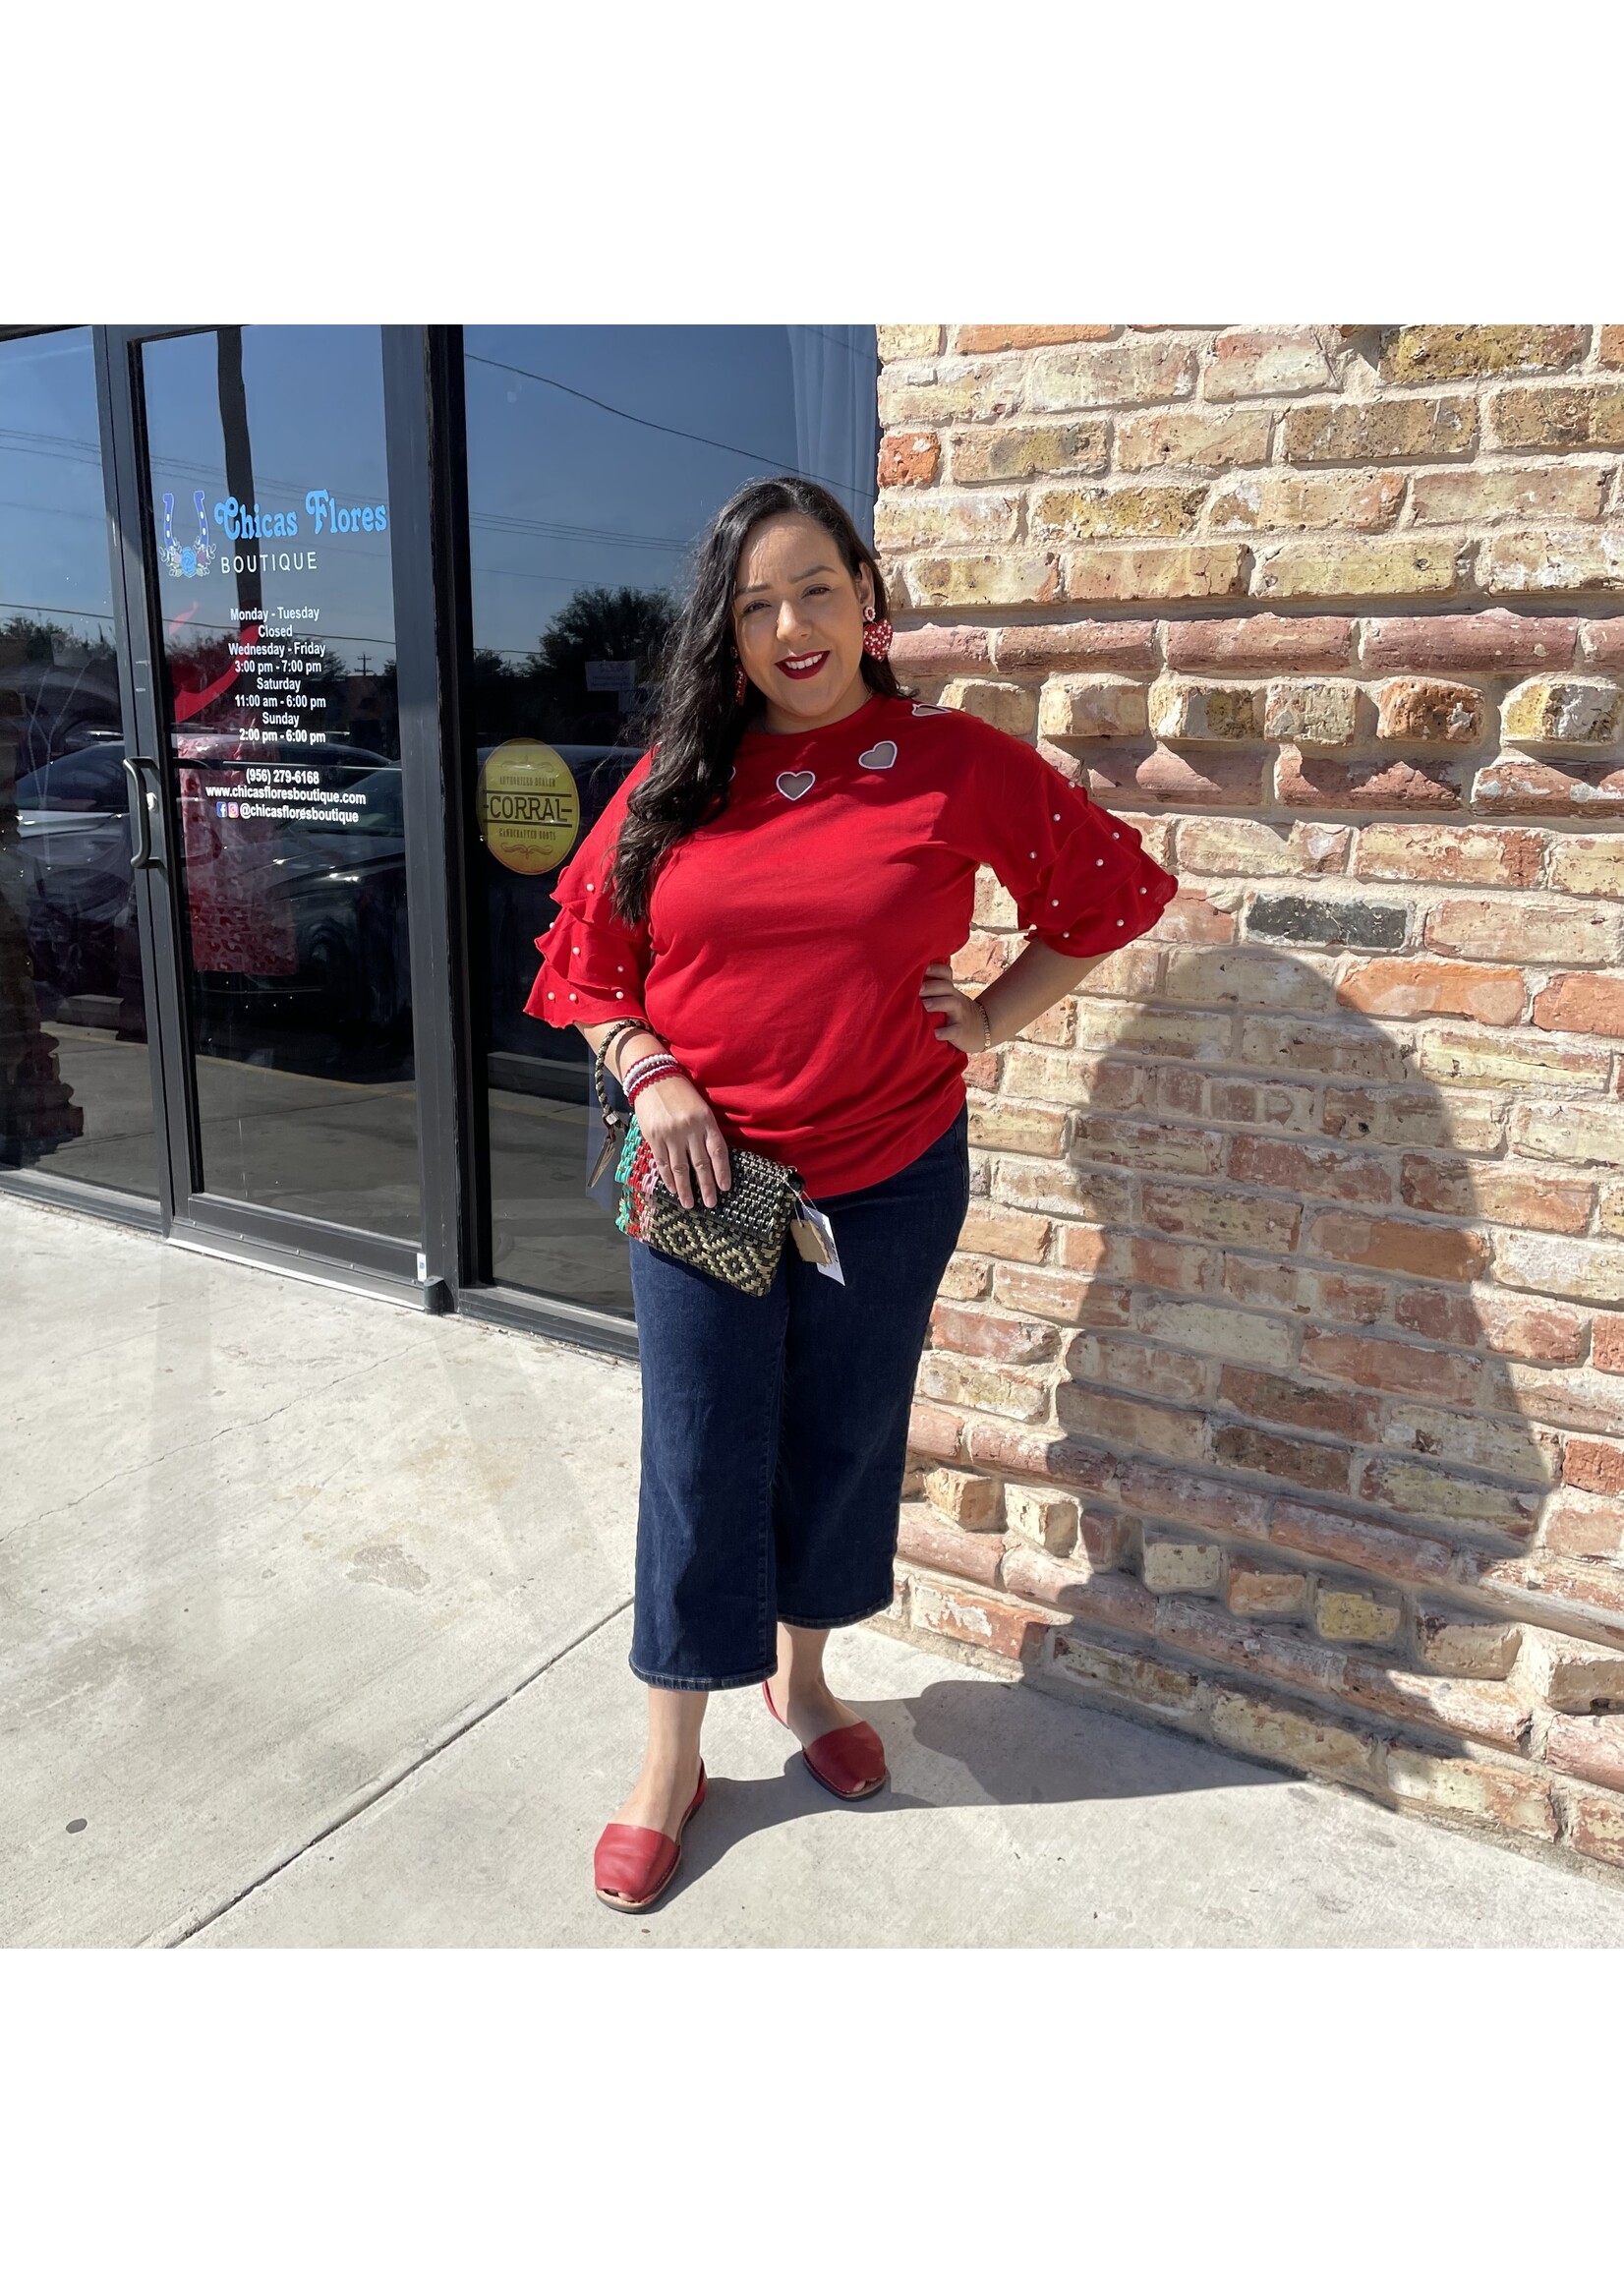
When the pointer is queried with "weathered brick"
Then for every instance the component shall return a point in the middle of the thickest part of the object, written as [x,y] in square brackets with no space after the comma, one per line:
[1324,712]
[1210,847]
[963,1381]
[982,1333]
[1157,572]
[1587,864]
[1202,1502]
[1584,1524]
[1609,348]
[1547,561]
[1583,1270]
[1295,1048]
[1128,1421]
[1508,1062]
[1308,776]
[1175,1266]
[1304,502]
[1417,352]
[1590,1747]
[1298,1405]
[1203,1630]
[1259,642]
[1594,1467]
[1503,1448]
[1603,643]
[1488,1319]
[1534,786]
[1426,854]
[1571,1400]
[1198,442]
[1184,711]
[1195,919]
[1299,1741]
[1436,1497]
[975,1503]
[1375,1362]
[1125,975]
[1266,363]
[1045,1517]
[1294,1460]
[1429,711]
[1070,1298]
[1479,494]
[1261,982]
[924,1537]
[1525,931]
[1450,1642]
[908,342]
[1361,1542]
[966,1279]
[1324,1294]
[1213,1329]
[1495,996]
[1562,711]
[1104,1597]
[1581,1003]
[940,648]
[933,1432]
[1007,579]
[1182,1567]
[1599,1827]
[1176,778]
[1130,371]
[907,462]
[1201,1212]
[1078,709]
[1560,418]
[1044,646]
[1018,454]
[1253,1589]
[1336,923]
[1571,1676]
[1101,513]
[1368,434]
[990,338]
[1492,639]
[1529,1582]
[1008,1231]
[1607,1354]
[1142,1368]
[1317,1170]
[1004,704]
[1539,1203]
[1380,567]
[1393,1244]
[1068,1078]
[998,1445]
[1099,1673]
[1350,1615]
[980,1620]
[1147,1145]
[1510,1799]
[1152,1032]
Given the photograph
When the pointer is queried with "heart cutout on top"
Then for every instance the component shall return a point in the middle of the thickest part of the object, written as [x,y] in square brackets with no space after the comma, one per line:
[796,785]
[881,754]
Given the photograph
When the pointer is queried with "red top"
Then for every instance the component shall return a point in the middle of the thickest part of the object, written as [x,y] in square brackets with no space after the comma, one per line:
[789,936]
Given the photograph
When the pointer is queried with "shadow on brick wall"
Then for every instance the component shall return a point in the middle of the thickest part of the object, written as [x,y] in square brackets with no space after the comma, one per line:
[1246,1405]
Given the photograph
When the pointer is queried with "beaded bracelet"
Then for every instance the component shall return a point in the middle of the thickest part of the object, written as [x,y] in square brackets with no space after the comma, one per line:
[656,1070]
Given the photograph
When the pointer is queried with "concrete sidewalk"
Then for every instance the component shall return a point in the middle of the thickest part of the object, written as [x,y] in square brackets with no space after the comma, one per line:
[315,1613]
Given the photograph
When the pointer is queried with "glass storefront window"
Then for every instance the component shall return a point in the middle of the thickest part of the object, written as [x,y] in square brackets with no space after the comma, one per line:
[270,518]
[596,455]
[76,1088]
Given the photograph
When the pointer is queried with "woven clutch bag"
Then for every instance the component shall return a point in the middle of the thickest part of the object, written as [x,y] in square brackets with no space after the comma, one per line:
[739,1241]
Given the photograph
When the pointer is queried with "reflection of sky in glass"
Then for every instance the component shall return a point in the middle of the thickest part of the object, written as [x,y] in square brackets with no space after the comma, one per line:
[567,486]
[53,516]
[315,421]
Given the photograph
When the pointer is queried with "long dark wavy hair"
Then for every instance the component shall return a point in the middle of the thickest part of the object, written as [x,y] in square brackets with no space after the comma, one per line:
[698,724]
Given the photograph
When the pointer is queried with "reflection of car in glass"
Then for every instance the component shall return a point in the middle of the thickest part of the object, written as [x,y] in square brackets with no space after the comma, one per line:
[73,826]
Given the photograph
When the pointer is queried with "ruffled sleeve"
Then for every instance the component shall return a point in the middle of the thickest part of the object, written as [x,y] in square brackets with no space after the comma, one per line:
[1080,878]
[593,964]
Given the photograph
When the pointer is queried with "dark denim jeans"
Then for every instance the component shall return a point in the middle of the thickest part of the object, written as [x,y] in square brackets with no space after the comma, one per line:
[775,1430]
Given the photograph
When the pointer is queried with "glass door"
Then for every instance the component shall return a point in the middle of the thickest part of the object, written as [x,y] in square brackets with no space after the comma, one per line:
[267,693]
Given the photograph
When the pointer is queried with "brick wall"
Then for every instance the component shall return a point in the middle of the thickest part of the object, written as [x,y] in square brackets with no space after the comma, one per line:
[1277,1391]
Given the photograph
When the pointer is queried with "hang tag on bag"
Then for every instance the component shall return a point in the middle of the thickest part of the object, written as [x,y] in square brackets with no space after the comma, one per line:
[814,1237]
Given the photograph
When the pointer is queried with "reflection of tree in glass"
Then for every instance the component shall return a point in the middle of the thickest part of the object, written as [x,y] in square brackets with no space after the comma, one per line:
[599,625]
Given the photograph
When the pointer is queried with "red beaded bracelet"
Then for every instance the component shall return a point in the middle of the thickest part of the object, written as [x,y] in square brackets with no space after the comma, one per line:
[657,1067]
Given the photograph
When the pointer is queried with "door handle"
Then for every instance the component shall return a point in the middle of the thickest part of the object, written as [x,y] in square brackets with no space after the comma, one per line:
[146,804]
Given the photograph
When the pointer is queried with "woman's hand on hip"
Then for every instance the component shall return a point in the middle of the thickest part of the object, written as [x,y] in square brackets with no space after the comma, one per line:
[959,1016]
[688,1148]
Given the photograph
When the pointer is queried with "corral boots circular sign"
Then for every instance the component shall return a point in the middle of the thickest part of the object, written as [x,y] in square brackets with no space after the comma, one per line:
[529,811]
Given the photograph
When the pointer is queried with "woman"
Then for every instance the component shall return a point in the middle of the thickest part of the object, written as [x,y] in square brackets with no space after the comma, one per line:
[771,900]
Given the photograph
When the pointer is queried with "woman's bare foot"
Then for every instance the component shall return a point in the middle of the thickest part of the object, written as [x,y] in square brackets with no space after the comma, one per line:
[665,1783]
[799,1690]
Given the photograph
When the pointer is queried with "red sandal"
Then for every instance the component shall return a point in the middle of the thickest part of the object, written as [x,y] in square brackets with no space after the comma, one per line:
[633,1865]
[849,1762]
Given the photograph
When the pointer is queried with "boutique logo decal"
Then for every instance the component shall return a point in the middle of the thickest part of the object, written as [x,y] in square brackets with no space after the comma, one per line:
[240,524]
[186,559]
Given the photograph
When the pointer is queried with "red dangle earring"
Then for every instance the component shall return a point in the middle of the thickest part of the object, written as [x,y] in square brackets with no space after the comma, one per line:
[877,635]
